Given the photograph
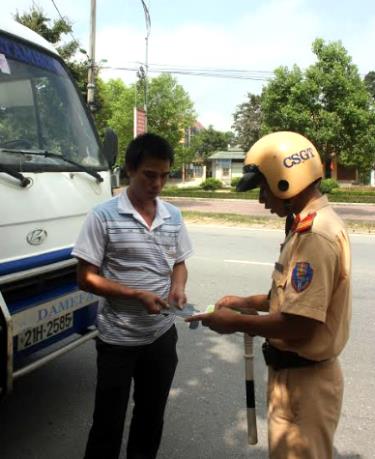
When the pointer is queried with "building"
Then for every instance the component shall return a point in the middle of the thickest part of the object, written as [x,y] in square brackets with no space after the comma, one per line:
[345,175]
[226,165]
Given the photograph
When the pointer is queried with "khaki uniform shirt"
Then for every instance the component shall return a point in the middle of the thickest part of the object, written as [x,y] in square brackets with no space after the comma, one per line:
[313,279]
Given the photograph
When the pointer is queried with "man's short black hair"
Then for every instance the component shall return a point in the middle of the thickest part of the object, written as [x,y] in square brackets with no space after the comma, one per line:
[147,146]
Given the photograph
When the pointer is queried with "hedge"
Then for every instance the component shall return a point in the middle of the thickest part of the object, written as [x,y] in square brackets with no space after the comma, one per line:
[199,193]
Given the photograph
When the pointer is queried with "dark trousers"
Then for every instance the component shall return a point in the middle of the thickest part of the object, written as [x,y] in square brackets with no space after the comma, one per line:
[152,367]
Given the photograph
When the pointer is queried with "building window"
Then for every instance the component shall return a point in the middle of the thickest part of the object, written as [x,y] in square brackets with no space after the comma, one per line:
[226,171]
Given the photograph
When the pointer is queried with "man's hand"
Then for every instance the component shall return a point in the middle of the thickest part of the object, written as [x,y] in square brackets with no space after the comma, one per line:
[177,297]
[222,320]
[232,302]
[153,303]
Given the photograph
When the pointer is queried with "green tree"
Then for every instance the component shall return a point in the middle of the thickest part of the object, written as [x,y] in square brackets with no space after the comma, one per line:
[170,109]
[247,121]
[170,112]
[281,101]
[329,103]
[36,20]
[370,83]
[116,111]
[206,141]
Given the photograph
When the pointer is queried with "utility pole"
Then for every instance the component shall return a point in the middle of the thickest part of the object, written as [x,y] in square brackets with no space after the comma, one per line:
[148,30]
[91,73]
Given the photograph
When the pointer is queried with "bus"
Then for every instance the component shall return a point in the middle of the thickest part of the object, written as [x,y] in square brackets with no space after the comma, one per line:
[53,170]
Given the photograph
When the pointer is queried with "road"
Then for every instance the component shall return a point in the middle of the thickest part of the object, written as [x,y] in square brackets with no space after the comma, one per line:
[48,415]
[355,212]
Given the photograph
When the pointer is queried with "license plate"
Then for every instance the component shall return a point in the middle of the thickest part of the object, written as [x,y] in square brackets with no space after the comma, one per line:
[53,327]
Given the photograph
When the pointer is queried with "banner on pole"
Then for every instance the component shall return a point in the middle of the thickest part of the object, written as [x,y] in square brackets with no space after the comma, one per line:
[139,121]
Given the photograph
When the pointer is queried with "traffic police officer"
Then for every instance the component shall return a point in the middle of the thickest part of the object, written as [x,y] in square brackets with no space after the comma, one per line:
[309,304]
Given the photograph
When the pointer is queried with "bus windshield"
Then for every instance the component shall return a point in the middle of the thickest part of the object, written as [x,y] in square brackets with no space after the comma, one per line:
[40,110]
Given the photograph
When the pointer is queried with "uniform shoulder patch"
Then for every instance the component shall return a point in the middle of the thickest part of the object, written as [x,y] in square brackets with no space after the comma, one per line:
[301,226]
[302,275]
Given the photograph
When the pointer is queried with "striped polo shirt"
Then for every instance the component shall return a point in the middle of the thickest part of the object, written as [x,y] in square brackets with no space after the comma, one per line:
[117,240]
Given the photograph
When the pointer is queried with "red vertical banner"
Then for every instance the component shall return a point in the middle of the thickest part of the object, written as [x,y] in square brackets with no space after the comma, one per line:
[139,121]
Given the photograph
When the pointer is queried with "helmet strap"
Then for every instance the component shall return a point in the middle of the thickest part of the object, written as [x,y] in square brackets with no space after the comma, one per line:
[289,222]
[288,206]
[290,215]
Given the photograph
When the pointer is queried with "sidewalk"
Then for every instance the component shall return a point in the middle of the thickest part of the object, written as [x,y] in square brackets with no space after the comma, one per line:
[347,211]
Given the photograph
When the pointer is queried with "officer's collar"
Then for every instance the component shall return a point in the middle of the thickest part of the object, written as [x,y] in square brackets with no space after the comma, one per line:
[314,206]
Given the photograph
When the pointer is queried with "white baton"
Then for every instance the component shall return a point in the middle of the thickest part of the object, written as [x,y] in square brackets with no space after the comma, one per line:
[252,434]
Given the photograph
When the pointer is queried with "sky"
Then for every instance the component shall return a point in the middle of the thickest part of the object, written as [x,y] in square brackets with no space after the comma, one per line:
[255,36]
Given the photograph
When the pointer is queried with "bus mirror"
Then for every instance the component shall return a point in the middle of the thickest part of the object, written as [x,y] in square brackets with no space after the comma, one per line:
[110,146]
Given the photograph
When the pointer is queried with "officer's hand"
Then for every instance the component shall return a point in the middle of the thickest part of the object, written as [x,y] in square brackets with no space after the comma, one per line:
[231,302]
[177,297]
[222,320]
[153,303]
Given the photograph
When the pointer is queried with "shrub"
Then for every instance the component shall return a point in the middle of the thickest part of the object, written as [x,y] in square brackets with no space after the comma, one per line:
[211,184]
[327,185]
[171,188]
[234,181]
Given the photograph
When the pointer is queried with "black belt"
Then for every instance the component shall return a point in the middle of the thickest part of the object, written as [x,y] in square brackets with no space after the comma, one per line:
[279,360]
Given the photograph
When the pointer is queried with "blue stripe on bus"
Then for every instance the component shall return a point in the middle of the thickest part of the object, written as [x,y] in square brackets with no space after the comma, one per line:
[21,52]
[35,300]
[23,264]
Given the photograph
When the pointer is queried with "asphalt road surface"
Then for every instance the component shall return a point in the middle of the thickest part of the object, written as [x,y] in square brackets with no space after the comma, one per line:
[48,415]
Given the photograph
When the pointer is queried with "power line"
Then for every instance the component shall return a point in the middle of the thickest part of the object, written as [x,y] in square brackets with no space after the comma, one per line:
[238,74]
[58,12]
[261,74]
[64,20]
[185,67]
[255,75]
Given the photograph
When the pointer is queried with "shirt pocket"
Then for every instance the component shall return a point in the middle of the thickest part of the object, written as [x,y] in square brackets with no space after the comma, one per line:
[168,243]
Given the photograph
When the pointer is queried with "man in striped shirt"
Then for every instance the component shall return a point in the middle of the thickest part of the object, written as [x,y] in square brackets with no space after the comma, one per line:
[131,252]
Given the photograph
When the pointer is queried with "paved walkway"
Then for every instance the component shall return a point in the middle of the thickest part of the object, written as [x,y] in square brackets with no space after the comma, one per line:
[355,212]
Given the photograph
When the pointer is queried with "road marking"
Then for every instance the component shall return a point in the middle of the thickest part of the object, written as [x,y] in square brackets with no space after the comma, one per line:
[246,262]
[216,226]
